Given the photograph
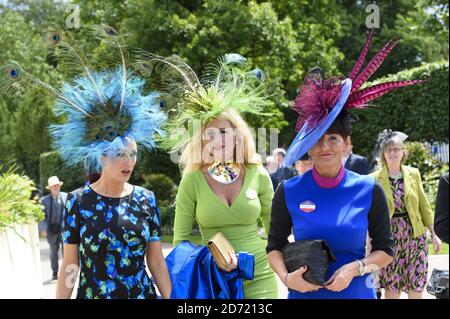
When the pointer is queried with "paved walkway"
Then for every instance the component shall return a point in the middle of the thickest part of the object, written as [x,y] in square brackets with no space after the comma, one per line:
[434,261]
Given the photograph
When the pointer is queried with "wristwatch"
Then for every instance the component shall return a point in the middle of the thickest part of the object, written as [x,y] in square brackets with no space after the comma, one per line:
[362,267]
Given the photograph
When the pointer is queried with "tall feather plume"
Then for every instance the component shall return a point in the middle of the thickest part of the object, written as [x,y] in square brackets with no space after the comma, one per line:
[359,63]
[175,81]
[223,87]
[115,40]
[70,59]
[177,76]
[373,65]
[317,97]
[102,107]
[216,74]
[360,98]
[13,77]
[224,71]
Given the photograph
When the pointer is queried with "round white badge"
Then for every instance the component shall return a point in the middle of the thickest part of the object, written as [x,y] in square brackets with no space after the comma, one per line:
[251,194]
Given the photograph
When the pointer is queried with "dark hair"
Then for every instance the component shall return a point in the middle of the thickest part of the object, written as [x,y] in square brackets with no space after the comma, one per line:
[93,177]
[305,157]
[341,125]
[36,193]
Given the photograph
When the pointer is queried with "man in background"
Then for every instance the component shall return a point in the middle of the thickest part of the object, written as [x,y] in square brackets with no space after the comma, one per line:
[282,172]
[356,163]
[51,226]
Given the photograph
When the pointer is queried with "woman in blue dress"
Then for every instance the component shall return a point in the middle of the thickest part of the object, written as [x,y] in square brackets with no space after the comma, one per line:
[329,202]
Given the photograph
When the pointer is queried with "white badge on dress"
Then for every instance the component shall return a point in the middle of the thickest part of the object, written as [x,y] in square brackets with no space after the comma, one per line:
[251,194]
[307,206]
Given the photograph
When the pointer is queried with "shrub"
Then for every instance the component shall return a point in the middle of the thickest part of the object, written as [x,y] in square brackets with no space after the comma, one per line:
[165,192]
[430,169]
[16,203]
[163,187]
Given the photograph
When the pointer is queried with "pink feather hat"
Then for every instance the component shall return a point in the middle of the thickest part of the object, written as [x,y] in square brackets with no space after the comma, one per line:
[320,101]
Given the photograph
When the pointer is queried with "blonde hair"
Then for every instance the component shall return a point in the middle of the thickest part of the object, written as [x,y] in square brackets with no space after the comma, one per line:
[394,141]
[245,144]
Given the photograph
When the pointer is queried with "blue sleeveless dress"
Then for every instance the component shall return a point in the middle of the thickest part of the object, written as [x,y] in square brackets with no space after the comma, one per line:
[340,216]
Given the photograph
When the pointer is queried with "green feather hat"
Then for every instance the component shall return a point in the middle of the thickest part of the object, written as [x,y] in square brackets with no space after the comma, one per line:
[227,85]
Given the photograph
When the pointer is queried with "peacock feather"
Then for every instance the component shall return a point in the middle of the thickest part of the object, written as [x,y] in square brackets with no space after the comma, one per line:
[139,118]
[102,107]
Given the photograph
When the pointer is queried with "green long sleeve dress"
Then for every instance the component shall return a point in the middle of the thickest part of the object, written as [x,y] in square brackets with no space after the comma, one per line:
[238,222]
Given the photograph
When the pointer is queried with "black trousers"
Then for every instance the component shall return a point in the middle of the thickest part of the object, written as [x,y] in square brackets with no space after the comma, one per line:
[55,242]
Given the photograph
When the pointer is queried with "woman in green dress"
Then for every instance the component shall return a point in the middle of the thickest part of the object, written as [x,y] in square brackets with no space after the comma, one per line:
[233,209]
[224,187]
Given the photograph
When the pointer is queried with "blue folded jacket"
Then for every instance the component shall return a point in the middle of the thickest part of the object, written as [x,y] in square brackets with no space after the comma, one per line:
[195,275]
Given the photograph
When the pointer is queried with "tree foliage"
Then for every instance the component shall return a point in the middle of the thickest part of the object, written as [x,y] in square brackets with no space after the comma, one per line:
[284,38]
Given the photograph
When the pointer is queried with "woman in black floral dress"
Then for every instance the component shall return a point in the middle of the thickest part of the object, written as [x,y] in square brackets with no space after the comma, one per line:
[110,227]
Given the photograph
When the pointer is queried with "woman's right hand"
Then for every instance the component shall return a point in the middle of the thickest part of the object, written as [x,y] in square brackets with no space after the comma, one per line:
[295,281]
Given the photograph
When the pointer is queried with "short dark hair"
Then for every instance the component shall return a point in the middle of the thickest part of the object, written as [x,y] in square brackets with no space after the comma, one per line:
[305,157]
[341,125]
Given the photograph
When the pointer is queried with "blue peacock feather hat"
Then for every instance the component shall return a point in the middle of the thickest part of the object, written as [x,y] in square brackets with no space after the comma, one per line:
[103,108]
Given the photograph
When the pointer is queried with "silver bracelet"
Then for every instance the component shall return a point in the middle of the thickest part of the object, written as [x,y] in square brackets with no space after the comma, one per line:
[361,267]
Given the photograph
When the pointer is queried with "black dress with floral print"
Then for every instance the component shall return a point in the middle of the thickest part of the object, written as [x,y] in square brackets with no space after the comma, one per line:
[112,234]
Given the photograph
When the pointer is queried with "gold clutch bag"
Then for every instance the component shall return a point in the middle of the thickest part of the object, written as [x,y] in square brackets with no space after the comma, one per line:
[221,249]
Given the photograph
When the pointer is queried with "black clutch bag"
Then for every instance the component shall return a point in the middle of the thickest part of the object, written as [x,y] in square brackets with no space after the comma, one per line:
[316,254]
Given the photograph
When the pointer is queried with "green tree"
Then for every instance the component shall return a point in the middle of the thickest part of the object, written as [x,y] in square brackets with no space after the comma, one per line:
[284,38]
[420,111]
[424,36]
[25,117]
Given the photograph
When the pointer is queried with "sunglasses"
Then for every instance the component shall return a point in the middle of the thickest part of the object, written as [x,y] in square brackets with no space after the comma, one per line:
[122,155]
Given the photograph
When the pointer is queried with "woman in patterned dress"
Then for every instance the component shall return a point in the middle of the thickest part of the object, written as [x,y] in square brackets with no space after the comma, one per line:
[411,215]
[110,229]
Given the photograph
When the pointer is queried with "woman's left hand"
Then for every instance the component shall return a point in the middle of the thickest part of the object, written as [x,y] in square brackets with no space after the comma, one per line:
[232,265]
[342,277]
[436,242]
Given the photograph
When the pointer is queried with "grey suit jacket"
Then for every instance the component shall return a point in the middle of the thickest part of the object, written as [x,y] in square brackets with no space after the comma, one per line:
[46,202]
